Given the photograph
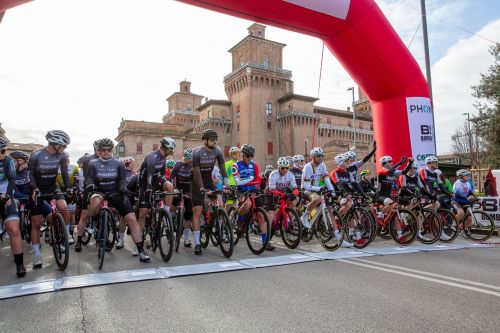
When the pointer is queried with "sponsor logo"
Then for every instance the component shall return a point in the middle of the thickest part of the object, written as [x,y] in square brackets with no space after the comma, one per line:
[426,133]
[422,157]
[416,108]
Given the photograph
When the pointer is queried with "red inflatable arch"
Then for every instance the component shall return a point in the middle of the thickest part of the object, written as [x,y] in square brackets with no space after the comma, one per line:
[361,38]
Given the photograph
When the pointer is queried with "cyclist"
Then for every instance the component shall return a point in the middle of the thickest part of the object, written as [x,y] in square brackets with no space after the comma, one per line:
[43,167]
[247,177]
[280,181]
[366,184]
[107,176]
[388,188]
[355,165]
[296,169]
[8,207]
[463,197]
[411,184]
[169,165]
[235,154]
[73,173]
[264,184]
[431,175]
[182,178]
[151,178]
[129,163]
[204,159]
[314,179]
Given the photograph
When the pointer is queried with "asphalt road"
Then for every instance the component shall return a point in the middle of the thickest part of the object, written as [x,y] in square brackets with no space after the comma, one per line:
[456,290]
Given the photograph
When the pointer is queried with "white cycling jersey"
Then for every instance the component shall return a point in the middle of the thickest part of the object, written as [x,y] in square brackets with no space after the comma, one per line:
[280,183]
[312,175]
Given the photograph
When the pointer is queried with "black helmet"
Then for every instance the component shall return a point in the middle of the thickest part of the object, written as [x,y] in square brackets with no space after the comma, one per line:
[17,154]
[3,143]
[209,133]
[106,143]
[267,173]
[168,143]
[96,143]
[57,137]
[248,149]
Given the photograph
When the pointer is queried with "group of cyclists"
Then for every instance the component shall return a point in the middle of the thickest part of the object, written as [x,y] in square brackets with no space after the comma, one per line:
[34,180]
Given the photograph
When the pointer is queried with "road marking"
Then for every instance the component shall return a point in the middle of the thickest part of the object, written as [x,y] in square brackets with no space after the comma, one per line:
[479,284]
[452,284]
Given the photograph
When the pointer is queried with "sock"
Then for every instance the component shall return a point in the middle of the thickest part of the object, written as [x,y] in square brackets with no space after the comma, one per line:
[18,258]
[306,214]
[79,239]
[140,246]
[186,235]
[71,229]
[67,229]
[264,237]
[197,240]
[36,249]
[400,233]
[351,231]
[338,235]
[121,236]
[358,234]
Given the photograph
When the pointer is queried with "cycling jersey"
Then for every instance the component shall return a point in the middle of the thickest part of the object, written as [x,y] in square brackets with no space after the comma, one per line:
[23,186]
[312,176]
[73,173]
[388,182]
[133,184]
[297,173]
[151,170]
[85,164]
[343,178]
[229,165]
[182,176]
[367,186]
[246,176]
[168,172]
[462,191]
[412,183]
[7,176]
[353,168]
[108,176]
[128,174]
[44,167]
[429,177]
[204,160]
[281,183]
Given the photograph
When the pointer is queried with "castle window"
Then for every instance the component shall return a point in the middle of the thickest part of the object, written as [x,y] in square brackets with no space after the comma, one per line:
[270,148]
[267,63]
[328,120]
[226,151]
[189,108]
[238,127]
[210,114]
[269,109]
[237,111]
[269,125]
[139,148]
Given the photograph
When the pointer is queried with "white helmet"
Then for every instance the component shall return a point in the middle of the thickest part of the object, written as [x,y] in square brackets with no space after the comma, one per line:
[317,151]
[298,158]
[282,162]
[340,158]
[234,150]
[414,165]
[351,154]
[430,159]
[168,143]
[385,159]
[462,173]
[269,167]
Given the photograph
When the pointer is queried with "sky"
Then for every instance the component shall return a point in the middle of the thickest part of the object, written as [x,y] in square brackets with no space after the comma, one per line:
[82,66]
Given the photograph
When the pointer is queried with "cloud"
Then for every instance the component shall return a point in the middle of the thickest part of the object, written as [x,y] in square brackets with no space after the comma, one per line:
[453,75]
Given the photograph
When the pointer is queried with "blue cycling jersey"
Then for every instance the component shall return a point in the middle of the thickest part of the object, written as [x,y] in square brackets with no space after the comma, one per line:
[246,176]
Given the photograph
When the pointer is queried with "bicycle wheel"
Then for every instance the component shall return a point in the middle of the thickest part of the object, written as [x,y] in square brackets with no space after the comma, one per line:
[204,232]
[257,239]
[226,237]
[24,227]
[429,225]
[237,226]
[102,236]
[328,230]
[407,224]
[86,235]
[111,234]
[482,226]
[165,236]
[147,234]
[60,242]
[179,227]
[450,225]
[359,227]
[291,228]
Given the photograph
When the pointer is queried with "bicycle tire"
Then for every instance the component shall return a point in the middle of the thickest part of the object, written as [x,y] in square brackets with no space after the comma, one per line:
[179,228]
[101,237]
[237,227]
[325,228]
[431,224]
[363,227]
[486,228]
[409,227]
[112,231]
[450,225]
[204,232]
[225,233]
[292,233]
[60,238]
[166,236]
[252,226]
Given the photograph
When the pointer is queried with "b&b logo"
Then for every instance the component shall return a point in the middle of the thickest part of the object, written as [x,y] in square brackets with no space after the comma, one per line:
[426,133]
[491,205]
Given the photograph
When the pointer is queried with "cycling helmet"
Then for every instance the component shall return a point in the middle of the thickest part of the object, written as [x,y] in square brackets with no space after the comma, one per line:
[282,162]
[106,143]
[317,151]
[188,153]
[385,159]
[351,154]
[170,164]
[298,158]
[128,159]
[21,155]
[234,150]
[430,159]
[415,165]
[365,172]
[3,143]
[96,143]
[168,143]
[57,137]
[248,149]
[209,133]
[340,158]
[267,173]
[269,167]
[462,173]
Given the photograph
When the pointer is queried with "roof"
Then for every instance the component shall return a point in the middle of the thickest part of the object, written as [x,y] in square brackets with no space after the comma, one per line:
[27,147]
[249,37]
[297,97]
[339,113]
[183,93]
[214,102]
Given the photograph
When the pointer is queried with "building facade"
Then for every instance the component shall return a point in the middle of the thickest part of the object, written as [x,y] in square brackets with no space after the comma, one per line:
[262,109]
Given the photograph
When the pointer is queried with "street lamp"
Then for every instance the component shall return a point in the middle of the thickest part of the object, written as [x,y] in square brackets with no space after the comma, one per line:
[470,134]
[353,120]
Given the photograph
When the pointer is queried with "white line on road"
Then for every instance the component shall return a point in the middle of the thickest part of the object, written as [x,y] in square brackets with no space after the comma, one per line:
[452,284]
[479,284]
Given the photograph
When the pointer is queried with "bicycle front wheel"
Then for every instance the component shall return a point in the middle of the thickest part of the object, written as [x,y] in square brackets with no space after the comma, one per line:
[60,242]
[482,226]
[450,225]
[291,228]
[225,233]
[257,237]
[430,226]
[102,237]
[179,227]
[165,236]
[359,227]
[329,230]
[403,227]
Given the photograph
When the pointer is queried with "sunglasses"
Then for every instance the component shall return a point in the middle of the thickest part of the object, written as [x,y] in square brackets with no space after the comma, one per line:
[247,156]
[283,168]
[106,150]
[318,156]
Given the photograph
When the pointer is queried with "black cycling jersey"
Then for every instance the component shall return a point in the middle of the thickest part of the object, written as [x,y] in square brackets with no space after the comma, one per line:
[152,169]
[133,183]
[23,182]
[367,186]
[182,175]
[128,175]
[85,164]
[7,176]
[204,160]
[297,173]
[108,176]
[342,178]
[44,167]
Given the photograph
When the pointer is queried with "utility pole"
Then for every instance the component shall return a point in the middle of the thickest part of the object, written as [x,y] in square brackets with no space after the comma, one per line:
[353,121]
[469,135]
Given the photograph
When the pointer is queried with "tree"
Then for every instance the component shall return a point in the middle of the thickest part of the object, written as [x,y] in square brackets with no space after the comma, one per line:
[469,147]
[488,104]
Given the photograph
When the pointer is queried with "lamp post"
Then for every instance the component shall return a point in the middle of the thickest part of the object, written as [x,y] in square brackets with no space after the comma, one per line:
[469,135]
[353,120]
